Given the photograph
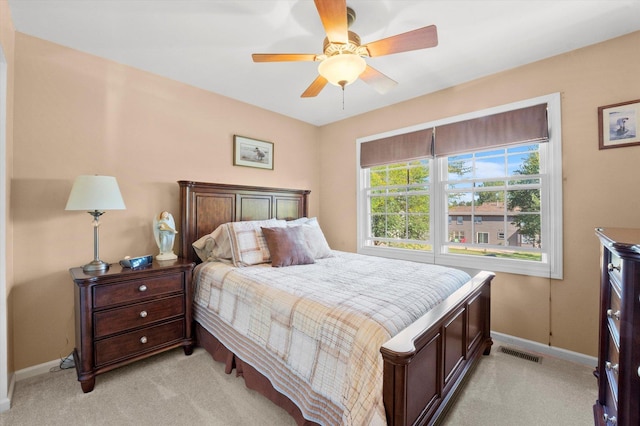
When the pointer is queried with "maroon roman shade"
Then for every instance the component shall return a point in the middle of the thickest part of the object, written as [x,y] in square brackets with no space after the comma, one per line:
[506,128]
[396,149]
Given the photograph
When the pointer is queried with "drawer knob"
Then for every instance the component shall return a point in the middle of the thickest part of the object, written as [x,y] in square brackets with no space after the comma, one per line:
[611,267]
[609,420]
[142,288]
[143,314]
[611,367]
[615,315]
[143,339]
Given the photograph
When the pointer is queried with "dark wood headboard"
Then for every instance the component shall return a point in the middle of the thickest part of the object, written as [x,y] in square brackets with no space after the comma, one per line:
[205,206]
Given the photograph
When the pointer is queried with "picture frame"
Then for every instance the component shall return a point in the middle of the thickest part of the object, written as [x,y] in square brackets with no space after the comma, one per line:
[249,152]
[618,124]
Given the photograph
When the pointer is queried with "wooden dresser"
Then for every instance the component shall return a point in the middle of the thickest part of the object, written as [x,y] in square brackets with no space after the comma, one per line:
[123,315]
[618,369]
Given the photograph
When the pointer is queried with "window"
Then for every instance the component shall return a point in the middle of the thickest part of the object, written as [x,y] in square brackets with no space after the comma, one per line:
[505,186]
[482,238]
[399,205]
[456,237]
[422,209]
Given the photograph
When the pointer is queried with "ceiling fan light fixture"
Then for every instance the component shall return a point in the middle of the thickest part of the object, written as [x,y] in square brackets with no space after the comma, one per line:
[342,69]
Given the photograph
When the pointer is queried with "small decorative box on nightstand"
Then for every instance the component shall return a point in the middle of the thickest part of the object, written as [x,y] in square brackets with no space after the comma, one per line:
[124,315]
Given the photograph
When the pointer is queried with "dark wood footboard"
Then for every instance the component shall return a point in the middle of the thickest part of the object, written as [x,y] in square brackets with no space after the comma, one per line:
[425,363]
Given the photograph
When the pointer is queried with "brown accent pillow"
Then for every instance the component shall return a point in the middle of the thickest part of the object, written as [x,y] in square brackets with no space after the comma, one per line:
[287,246]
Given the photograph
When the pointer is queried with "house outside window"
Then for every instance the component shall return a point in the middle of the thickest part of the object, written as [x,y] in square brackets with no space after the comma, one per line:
[509,198]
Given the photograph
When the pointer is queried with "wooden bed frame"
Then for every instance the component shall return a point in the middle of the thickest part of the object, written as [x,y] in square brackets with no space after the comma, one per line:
[424,365]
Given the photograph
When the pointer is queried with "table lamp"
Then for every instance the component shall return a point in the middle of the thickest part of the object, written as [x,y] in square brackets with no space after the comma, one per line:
[95,194]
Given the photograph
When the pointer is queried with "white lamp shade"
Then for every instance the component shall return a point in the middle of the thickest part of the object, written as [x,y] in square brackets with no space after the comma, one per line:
[95,193]
[342,69]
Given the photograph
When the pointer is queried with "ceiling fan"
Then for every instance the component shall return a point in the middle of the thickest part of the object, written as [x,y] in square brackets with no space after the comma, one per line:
[342,60]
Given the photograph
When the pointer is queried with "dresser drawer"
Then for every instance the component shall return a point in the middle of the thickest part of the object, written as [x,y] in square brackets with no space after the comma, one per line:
[615,269]
[132,291]
[610,409]
[612,361]
[614,312]
[136,342]
[121,319]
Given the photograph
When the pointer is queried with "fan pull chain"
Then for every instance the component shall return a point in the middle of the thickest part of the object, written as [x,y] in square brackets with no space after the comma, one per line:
[342,84]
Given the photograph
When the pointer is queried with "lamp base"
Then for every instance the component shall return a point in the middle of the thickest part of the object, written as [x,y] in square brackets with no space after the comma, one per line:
[95,266]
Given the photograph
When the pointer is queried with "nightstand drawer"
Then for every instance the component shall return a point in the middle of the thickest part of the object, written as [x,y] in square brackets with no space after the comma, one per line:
[132,291]
[136,342]
[138,315]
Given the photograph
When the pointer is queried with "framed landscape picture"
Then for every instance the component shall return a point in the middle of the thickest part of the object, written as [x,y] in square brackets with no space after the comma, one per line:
[618,124]
[252,153]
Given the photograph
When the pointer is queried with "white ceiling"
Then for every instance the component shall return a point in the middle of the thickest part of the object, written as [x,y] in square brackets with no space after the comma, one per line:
[208,43]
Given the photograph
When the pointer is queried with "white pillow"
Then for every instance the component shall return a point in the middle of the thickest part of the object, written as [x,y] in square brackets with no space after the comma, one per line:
[248,245]
[314,237]
[214,246]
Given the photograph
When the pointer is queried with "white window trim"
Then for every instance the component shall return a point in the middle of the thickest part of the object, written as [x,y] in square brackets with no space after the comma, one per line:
[551,192]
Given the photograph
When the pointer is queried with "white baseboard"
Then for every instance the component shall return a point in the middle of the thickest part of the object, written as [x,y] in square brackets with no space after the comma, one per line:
[5,403]
[36,370]
[540,348]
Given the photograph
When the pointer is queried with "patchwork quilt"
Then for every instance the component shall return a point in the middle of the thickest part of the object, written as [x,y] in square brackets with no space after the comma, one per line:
[315,331]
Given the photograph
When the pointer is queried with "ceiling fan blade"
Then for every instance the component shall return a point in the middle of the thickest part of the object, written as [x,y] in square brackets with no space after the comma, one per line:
[283,57]
[333,14]
[380,82]
[421,38]
[315,87]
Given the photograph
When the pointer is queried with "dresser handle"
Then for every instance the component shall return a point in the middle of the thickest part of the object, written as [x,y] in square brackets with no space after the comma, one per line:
[143,314]
[611,267]
[143,339]
[615,315]
[142,288]
[612,367]
[609,420]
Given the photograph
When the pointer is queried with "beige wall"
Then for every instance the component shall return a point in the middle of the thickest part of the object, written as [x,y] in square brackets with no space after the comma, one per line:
[80,114]
[600,187]
[7,37]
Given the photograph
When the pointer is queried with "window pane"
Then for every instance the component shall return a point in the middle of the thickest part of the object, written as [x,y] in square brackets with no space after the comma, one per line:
[460,167]
[378,177]
[418,227]
[397,204]
[525,163]
[377,204]
[418,203]
[525,200]
[490,167]
[395,226]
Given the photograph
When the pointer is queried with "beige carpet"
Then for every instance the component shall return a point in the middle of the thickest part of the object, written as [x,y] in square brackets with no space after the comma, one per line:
[172,388]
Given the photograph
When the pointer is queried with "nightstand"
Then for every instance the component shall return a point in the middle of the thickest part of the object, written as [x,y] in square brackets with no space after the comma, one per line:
[123,315]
